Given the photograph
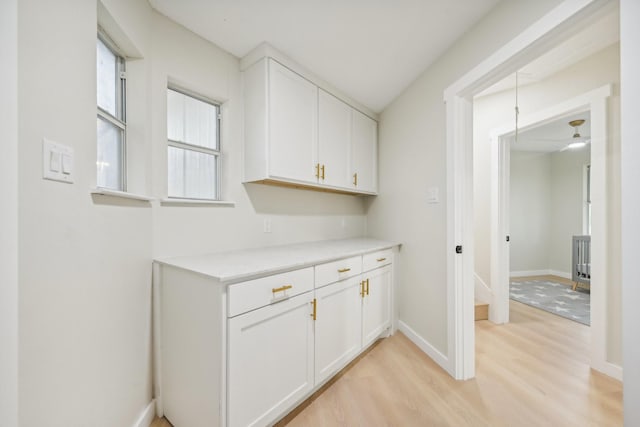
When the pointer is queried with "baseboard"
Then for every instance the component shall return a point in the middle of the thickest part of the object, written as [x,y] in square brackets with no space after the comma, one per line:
[610,369]
[146,417]
[482,291]
[423,345]
[549,272]
[529,273]
[562,274]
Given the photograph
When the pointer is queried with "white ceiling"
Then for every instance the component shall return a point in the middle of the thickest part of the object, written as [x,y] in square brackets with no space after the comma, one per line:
[369,49]
[553,136]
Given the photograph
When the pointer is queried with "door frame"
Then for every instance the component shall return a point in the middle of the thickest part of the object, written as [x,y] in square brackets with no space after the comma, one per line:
[595,101]
[564,20]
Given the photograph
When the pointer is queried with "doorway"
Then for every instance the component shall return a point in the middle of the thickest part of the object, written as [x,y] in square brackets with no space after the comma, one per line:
[541,36]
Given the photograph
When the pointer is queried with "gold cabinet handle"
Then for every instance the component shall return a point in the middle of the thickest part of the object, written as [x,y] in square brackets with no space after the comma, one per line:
[355,179]
[281,288]
[344,270]
[362,293]
[367,291]
[317,170]
[381,259]
[322,172]
[314,303]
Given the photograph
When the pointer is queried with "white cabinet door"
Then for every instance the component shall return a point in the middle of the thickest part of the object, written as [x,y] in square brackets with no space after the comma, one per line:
[293,126]
[334,140]
[270,361]
[364,153]
[338,326]
[376,308]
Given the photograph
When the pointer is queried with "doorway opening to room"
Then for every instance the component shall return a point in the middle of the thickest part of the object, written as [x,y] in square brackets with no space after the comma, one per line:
[547,206]
[464,231]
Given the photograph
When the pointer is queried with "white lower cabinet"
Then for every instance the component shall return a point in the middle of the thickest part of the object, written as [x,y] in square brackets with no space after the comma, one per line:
[270,361]
[338,326]
[246,353]
[376,310]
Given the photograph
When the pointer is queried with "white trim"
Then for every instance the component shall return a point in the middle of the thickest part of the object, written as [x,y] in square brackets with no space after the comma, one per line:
[121,194]
[527,273]
[424,345]
[146,417]
[569,16]
[156,280]
[196,202]
[563,274]
[612,370]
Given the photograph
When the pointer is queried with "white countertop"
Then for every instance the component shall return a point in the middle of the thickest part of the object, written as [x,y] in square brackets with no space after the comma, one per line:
[249,263]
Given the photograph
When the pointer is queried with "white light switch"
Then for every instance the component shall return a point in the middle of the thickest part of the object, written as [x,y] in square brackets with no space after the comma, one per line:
[57,161]
[67,164]
[54,161]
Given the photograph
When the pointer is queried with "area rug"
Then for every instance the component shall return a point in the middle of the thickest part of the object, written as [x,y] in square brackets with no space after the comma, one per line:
[555,298]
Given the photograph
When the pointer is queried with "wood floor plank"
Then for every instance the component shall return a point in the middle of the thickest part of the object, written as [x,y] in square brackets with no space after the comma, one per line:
[533,371]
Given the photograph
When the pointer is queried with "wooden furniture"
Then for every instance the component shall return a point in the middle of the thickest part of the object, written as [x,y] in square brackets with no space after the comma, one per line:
[242,338]
[297,133]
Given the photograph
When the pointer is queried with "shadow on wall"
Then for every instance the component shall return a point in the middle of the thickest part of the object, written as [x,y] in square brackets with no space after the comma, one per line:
[269,199]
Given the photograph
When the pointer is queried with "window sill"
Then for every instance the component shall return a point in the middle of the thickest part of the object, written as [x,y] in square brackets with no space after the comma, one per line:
[121,194]
[196,202]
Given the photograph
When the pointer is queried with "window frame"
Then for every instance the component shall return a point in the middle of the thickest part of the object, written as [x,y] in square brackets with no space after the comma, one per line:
[216,153]
[120,119]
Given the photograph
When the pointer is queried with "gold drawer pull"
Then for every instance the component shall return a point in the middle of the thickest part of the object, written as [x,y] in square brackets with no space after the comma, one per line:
[367,282]
[317,170]
[322,172]
[381,259]
[355,179]
[344,270]
[362,291]
[281,289]
[314,314]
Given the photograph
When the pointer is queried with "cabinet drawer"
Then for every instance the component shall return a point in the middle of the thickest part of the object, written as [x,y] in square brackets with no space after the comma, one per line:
[246,296]
[338,270]
[376,259]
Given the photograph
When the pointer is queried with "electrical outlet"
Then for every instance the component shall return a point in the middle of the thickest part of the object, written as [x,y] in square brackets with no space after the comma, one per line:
[267,225]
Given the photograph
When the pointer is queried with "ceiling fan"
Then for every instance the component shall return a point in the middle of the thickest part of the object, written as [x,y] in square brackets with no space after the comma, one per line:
[576,141]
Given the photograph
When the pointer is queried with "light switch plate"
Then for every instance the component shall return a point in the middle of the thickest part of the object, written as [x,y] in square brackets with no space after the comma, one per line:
[57,161]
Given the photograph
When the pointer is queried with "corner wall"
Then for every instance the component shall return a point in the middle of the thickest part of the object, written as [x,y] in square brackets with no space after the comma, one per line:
[9,214]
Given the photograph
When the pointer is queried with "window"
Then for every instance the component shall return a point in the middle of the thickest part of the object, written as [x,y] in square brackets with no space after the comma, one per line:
[193,133]
[111,132]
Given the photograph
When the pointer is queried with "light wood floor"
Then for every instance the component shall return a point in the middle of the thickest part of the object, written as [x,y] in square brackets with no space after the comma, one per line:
[531,372]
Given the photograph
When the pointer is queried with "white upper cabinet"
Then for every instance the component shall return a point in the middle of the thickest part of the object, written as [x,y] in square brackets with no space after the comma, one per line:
[296,133]
[293,124]
[364,153]
[334,140]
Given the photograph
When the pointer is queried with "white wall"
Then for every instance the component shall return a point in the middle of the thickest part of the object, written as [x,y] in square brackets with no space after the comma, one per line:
[413,158]
[630,70]
[530,202]
[296,215]
[496,110]
[85,262]
[9,214]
